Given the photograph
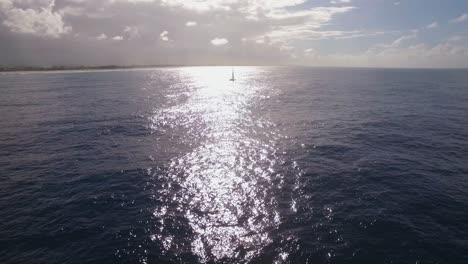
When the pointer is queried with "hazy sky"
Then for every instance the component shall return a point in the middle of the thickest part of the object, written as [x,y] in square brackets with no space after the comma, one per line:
[387,33]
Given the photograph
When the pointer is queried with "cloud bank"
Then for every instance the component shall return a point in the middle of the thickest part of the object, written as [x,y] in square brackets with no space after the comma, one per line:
[215,32]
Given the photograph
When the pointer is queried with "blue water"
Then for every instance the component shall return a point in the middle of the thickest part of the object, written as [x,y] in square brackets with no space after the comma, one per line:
[285,165]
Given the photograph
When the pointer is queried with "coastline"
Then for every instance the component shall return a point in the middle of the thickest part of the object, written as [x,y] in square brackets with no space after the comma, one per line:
[78,68]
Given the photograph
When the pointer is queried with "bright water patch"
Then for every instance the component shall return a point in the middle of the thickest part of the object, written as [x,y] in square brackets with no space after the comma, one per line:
[225,187]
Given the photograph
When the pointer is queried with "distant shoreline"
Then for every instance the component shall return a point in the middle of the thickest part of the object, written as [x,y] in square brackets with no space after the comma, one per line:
[118,67]
[78,68]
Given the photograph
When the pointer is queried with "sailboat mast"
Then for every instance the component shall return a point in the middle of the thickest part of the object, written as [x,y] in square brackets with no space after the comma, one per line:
[232,78]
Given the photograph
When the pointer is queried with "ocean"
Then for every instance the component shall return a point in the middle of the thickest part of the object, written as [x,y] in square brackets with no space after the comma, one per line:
[284,165]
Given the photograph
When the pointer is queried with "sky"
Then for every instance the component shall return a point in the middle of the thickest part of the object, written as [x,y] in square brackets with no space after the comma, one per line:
[360,33]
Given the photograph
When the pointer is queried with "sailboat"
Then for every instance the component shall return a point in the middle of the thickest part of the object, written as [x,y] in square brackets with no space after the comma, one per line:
[232,78]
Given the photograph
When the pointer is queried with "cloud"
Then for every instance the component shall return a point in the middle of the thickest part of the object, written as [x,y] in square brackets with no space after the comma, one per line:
[306,25]
[102,37]
[394,45]
[251,9]
[219,41]
[433,25]
[164,36]
[245,7]
[398,53]
[335,2]
[191,23]
[310,52]
[131,32]
[38,18]
[198,5]
[460,19]
[245,31]
[418,55]
[281,22]
[455,38]
[399,41]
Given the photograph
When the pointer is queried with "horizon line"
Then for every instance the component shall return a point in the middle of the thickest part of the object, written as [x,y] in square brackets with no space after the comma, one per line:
[30,68]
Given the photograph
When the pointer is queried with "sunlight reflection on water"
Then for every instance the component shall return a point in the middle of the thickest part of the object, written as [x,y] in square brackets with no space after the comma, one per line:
[225,187]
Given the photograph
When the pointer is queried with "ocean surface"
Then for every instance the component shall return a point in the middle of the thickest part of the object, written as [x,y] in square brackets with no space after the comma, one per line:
[284,165]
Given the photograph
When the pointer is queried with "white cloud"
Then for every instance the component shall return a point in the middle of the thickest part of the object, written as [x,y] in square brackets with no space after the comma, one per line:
[397,44]
[397,3]
[244,6]
[38,19]
[306,24]
[303,33]
[164,36]
[417,55]
[335,2]
[191,23]
[219,41]
[131,32]
[460,19]
[310,52]
[134,1]
[102,37]
[399,41]
[433,25]
[198,5]
[252,9]
[265,40]
[256,32]
[455,38]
